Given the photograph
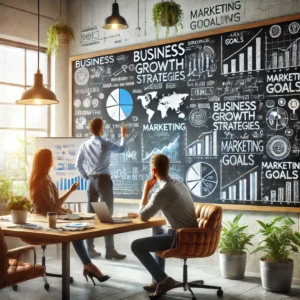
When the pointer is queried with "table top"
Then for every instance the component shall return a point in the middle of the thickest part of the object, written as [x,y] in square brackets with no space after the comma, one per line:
[57,236]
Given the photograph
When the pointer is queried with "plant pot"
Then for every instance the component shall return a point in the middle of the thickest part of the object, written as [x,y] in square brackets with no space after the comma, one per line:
[276,277]
[233,266]
[163,20]
[63,38]
[19,216]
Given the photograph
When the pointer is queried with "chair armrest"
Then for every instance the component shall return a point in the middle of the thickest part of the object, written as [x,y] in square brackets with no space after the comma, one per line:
[17,251]
[14,253]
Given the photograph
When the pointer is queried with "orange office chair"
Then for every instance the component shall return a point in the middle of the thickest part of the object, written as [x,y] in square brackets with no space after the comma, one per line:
[43,246]
[197,242]
[13,271]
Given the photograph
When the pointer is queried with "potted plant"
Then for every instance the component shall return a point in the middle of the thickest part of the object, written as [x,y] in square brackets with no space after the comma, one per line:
[19,206]
[232,249]
[58,33]
[5,192]
[167,14]
[276,268]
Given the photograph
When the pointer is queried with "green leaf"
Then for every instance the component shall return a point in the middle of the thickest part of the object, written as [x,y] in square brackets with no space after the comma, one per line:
[277,239]
[237,218]
[234,239]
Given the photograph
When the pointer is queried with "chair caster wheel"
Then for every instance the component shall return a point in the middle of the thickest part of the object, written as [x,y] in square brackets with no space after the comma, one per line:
[220,293]
[71,280]
[201,281]
[14,287]
[47,286]
[194,298]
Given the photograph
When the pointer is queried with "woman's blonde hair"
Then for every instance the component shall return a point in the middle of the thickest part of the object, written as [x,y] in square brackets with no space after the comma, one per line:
[41,165]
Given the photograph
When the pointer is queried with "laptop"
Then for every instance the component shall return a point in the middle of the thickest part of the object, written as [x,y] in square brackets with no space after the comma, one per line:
[104,215]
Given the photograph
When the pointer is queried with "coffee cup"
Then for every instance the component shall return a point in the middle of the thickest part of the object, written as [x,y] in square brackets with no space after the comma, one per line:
[52,217]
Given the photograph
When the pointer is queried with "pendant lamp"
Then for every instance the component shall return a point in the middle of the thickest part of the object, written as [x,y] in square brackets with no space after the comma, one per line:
[38,94]
[115,21]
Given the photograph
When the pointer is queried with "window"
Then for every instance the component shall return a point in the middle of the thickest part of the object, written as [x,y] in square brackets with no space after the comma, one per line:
[19,124]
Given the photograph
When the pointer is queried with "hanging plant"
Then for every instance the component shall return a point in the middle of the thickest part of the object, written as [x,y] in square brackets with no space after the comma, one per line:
[167,14]
[58,33]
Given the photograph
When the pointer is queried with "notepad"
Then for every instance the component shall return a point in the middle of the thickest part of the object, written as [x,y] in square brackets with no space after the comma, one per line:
[31,226]
[76,216]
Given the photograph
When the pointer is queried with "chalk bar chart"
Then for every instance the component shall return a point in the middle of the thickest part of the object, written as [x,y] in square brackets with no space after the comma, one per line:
[288,193]
[243,59]
[244,187]
[282,51]
[205,145]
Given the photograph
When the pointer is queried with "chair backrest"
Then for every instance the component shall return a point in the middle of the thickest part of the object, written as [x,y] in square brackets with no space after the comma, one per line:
[3,250]
[204,242]
[209,215]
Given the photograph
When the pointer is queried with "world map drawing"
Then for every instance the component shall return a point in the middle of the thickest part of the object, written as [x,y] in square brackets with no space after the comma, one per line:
[165,104]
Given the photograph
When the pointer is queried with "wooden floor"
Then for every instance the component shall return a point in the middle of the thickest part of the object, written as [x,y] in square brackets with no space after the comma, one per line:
[128,277]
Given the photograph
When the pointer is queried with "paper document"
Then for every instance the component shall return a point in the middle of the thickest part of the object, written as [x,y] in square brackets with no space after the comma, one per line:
[86,216]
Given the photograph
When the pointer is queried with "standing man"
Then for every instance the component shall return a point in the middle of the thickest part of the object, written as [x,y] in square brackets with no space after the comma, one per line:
[176,204]
[94,155]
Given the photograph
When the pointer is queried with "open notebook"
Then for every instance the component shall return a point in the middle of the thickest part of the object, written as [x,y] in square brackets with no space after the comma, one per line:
[85,216]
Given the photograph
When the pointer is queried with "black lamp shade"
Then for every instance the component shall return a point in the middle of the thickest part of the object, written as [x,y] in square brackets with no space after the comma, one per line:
[115,21]
[38,94]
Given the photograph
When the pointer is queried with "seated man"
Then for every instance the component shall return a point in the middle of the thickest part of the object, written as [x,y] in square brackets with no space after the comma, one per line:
[175,202]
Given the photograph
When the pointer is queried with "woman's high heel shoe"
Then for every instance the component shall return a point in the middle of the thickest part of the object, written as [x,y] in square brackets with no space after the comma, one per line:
[90,274]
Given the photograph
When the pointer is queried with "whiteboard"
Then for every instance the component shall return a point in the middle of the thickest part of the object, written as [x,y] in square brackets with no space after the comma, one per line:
[64,173]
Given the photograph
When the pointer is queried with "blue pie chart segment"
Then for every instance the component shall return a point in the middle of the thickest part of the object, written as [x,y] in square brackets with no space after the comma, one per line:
[119,104]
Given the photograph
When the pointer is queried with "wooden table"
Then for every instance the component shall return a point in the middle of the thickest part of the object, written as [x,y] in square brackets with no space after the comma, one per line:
[65,237]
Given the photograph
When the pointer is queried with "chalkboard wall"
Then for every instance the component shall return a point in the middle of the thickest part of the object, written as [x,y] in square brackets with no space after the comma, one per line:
[224,108]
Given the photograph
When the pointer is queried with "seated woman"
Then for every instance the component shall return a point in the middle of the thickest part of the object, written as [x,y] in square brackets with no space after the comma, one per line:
[44,196]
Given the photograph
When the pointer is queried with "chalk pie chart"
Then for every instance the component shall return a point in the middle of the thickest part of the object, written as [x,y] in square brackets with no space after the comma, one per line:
[119,104]
[201,179]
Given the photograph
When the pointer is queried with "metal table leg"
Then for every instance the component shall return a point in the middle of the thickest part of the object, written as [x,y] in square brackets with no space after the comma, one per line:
[65,271]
